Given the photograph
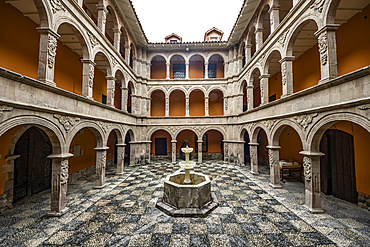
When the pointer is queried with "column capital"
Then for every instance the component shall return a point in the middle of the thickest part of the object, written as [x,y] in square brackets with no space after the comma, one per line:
[11,157]
[60,156]
[88,61]
[328,27]
[253,144]
[264,76]
[200,141]
[258,30]
[121,144]
[48,30]
[288,58]
[311,153]
[101,148]
[117,30]
[273,147]
[112,78]
[206,63]
[173,141]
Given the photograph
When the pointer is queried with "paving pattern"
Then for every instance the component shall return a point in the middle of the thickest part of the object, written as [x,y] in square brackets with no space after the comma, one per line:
[124,214]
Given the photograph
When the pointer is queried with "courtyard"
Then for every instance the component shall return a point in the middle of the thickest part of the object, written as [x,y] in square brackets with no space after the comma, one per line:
[123,213]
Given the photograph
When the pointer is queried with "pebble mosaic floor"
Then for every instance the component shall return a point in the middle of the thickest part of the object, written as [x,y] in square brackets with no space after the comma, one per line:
[124,214]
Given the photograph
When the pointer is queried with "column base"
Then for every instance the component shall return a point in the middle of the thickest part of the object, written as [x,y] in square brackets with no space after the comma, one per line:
[255,173]
[314,210]
[50,83]
[322,81]
[174,162]
[275,186]
[119,173]
[57,214]
[99,186]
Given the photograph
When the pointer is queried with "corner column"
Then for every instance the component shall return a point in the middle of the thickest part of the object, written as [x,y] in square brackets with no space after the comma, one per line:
[287,75]
[111,87]
[88,71]
[254,157]
[173,151]
[200,146]
[101,161]
[264,85]
[311,168]
[47,53]
[273,152]
[59,180]
[274,17]
[120,158]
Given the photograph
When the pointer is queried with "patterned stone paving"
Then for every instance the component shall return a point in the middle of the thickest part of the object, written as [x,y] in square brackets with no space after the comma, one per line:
[124,214]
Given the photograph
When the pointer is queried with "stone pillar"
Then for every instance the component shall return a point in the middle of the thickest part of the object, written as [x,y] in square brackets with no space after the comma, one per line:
[273,152]
[328,52]
[173,151]
[274,17]
[117,38]
[264,85]
[167,109]
[127,53]
[143,63]
[47,53]
[102,17]
[254,157]
[168,70]
[120,158]
[88,72]
[187,106]
[187,70]
[287,75]
[250,97]
[248,53]
[259,38]
[206,103]
[311,166]
[225,101]
[206,70]
[101,161]
[124,99]
[59,180]
[8,169]
[111,87]
[200,146]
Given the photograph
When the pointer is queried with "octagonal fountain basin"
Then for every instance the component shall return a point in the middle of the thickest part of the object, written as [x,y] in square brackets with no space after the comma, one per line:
[195,199]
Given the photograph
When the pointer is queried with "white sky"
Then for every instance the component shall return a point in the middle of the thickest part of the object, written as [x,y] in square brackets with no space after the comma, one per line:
[190,19]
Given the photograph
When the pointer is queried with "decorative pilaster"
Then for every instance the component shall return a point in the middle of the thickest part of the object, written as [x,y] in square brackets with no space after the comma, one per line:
[287,75]
[102,17]
[206,104]
[111,86]
[167,109]
[311,166]
[328,52]
[101,161]
[259,38]
[88,71]
[200,147]
[168,69]
[127,53]
[8,169]
[248,53]
[59,180]
[124,99]
[250,96]
[264,85]
[206,70]
[254,157]
[274,17]
[117,38]
[187,70]
[173,151]
[120,158]
[273,152]
[187,106]
[47,54]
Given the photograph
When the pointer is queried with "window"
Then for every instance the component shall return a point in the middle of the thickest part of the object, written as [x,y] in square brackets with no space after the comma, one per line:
[212,70]
[213,38]
[173,41]
[104,99]
[178,71]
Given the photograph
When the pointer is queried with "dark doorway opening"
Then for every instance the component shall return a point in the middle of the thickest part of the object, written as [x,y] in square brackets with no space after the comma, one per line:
[32,170]
[338,165]
[127,150]
[247,157]
[160,146]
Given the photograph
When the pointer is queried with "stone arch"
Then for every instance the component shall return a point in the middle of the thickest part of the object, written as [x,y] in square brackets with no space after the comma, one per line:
[268,58]
[177,54]
[254,132]
[117,130]
[197,88]
[219,129]
[160,88]
[94,127]
[255,67]
[197,54]
[242,85]
[176,133]
[222,89]
[152,56]
[222,55]
[264,21]
[131,84]
[316,132]
[130,132]
[108,66]
[154,129]
[45,13]
[279,127]
[181,88]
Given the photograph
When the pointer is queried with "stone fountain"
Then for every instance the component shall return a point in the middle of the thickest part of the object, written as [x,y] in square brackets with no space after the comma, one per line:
[185,193]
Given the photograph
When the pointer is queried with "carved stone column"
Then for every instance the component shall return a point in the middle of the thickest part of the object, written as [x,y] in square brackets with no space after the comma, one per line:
[311,166]
[225,101]
[47,53]
[111,87]
[124,99]
[206,104]
[101,161]
[264,85]
[168,70]
[287,75]
[248,53]
[206,70]
[273,152]
[167,109]
[274,17]
[250,97]
[328,52]
[259,38]
[8,169]
[117,38]
[187,70]
[200,146]
[120,158]
[254,157]
[127,53]
[59,180]
[102,17]
[187,106]
[173,151]
[88,72]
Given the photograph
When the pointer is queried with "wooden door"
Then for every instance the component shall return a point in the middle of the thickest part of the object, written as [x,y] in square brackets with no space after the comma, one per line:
[338,165]
[160,146]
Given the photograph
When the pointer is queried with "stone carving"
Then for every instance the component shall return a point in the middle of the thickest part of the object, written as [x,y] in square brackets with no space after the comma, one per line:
[64,171]
[168,87]
[271,158]
[261,59]
[226,104]
[147,105]
[121,153]
[364,107]
[173,129]
[207,87]
[307,168]
[283,73]
[94,42]
[52,51]
[104,17]
[91,75]
[67,121]
[253,152]
[323,48]
[187,87]
[4,109]
[56,5]
[103,159]
[269,123]
[283,36]
[136,105]
[114,61]
[105,127]
[305,120]
[318,5]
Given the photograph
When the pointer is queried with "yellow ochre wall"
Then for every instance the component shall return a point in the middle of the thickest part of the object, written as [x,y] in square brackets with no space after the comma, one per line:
[161,134]
[214,141]
[196,103]
[290,144]
[111,144]
[361,141]
[158,70]
[177,103]
[186,135]
[157,104]
[216,103]
[196,69]
[87,143]
[100,85]
[275,85]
